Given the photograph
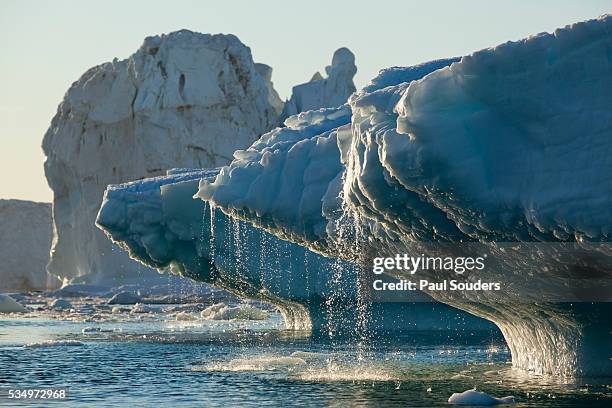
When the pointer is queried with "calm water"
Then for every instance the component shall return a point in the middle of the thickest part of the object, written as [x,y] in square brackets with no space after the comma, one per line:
[149,362]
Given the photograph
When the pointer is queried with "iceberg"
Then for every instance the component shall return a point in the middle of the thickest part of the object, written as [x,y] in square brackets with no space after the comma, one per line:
[501,154]
[182,99]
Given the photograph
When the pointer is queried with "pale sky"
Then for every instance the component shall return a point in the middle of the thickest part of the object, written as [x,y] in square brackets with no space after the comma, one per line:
[45,46]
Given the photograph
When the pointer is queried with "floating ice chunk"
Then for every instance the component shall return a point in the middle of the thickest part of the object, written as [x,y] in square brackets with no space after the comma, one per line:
[9,305]
[54,343]
[60,304]
[473,397]
[95,330]
[185,316]
[125,298]
[221,311]
[140,308]
[79,290]
[119,309]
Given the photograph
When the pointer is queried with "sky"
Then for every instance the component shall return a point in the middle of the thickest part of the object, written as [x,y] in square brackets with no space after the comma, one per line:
[45,46]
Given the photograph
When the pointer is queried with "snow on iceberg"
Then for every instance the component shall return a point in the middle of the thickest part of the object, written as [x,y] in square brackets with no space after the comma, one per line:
[503,153]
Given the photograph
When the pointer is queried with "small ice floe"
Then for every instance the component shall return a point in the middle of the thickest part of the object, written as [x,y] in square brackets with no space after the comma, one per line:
[185,316]
[221,311]
[9,305]
[54,343]
[125,298]
[60,304]
[119,309]
[96,330]
[473,397]
[140,308]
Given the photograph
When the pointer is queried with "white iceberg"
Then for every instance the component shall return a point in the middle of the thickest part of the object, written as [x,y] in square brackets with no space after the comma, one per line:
[501,154]
[183,99]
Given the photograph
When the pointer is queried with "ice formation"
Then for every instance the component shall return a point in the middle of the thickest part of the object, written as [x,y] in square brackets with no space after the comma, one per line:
[473,397]
[10,305]
[25,242]
[182,99]
[501,154]
[159,223]
[321,92]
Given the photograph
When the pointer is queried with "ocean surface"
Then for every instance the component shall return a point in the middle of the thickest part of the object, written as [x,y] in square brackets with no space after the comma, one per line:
[151,359]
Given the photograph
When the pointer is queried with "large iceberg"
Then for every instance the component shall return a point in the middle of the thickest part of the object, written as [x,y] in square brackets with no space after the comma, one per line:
[182,99]
[160,224]
[503,154]
[25,242]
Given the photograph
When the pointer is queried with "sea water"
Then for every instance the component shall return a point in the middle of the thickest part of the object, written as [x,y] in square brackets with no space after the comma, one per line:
[152,359]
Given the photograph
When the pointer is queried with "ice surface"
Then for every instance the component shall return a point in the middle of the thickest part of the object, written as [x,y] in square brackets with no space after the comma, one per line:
[473,397]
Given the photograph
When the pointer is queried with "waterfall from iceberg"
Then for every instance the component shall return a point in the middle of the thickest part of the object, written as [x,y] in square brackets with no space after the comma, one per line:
[160,224]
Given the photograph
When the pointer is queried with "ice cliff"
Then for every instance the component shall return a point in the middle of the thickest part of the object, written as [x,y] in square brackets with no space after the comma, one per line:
[321,92]
[503,154]
[182,100]
[25,242]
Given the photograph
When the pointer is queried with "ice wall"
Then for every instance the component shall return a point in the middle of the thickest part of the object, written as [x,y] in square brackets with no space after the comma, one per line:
[327,92]
[182,99]
[25,242]
[501,154]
